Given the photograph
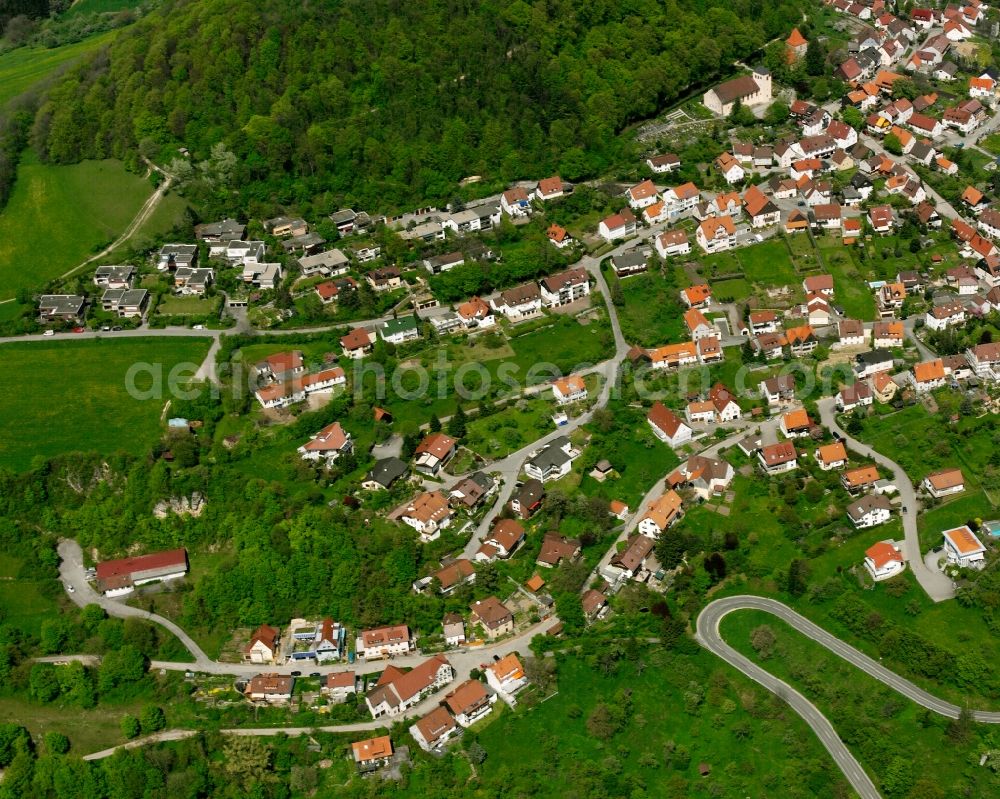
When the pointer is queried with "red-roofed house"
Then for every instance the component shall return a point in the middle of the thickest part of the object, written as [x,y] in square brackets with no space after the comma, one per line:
[884,560]
[667,426]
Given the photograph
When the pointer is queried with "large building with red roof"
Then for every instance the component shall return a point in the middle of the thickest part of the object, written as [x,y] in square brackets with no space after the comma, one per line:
[118,577]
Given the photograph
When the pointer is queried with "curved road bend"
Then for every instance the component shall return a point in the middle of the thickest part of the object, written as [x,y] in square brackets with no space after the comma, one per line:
[935,584]
[707,634]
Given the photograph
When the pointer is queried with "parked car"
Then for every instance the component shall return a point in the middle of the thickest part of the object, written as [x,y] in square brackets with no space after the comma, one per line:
[79,330]
[49,333]
[296,673]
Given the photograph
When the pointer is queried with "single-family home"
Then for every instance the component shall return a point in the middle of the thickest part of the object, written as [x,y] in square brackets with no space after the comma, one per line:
[831,456]
[944,483]
[469,702]
[698,296]
[860,479]
[501,541]
[851,333]
[716,234]
[732,171]
[270,688]
[386,278]
[555,549]
[518,302]
[963,548]
[707,477]
[778,458]
[434,451]
[660,514]
[856,395]
[384,642]
[641,195]
[435,729]
[400,330]
[985,360]
[883,560]
[506,676]
[552,461]
[328,444]
[779,390]
[667,162]
[928,375]
[796,424]
[528,498]
[264,645]
[493,616]
[617,226]
[372,754]
[881,218]
[888,334]
[515,203]
[946,315]
[569,389]
[667,426]
[672,242]
[338,685]
[869,511]
[428,513]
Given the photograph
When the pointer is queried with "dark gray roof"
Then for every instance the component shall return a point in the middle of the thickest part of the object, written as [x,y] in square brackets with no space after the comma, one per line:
[387,471]
[857,509]
[873,357]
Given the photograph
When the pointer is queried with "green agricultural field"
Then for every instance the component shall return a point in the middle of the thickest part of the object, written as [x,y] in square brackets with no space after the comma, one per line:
[59,215]
[25,66]
[886,732]
[669,716]
[86,405]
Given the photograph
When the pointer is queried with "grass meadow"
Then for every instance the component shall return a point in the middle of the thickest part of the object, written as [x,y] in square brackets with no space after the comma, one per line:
[59,215]
[72,396]
[25,66]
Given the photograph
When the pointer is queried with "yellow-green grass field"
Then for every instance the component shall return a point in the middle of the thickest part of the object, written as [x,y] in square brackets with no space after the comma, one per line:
[25,66]
[71,396]
[59,215]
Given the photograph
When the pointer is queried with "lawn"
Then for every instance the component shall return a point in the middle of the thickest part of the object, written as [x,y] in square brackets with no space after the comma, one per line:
[101,6]
[768,264]
[58,215]
[653,313]
[26,604]
[732,290]
[676,712]
[185,306]
[21,68]
[499,434]
[88,730]
[73,395]
[886,732]
[851,291]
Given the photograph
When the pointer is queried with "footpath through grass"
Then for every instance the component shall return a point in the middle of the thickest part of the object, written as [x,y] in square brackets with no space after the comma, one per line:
[66,396]
[60,215]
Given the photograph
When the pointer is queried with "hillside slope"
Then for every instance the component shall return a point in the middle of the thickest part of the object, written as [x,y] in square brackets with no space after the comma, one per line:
[382,102]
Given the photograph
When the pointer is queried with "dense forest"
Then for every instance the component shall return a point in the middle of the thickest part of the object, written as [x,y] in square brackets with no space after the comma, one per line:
[382,104]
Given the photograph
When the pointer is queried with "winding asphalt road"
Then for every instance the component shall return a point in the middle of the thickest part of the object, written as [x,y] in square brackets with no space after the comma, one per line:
[707,634]
[936,585]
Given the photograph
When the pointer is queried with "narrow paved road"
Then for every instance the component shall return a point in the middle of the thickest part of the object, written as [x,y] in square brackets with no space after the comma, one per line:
[72,573]
[707,634]
[937,586]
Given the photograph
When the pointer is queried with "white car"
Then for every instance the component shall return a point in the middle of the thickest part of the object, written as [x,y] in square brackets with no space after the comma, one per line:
[49,333]
[198,327]
[70,588]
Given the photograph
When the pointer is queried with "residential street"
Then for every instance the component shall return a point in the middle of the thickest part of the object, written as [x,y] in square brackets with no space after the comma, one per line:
[937,586]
